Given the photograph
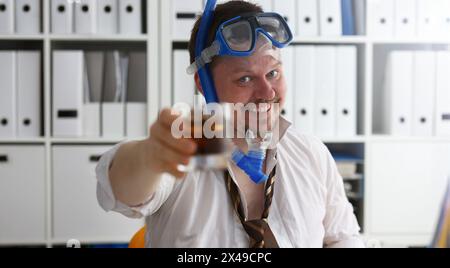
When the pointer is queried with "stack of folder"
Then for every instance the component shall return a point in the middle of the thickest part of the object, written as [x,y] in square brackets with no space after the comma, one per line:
[325,90]
[96,16]
[408,18]
[99,94]
[20,16]
[306,18]
[21,90]
[416,94]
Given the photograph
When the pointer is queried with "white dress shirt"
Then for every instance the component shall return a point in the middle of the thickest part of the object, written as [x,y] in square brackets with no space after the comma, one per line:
[309,206]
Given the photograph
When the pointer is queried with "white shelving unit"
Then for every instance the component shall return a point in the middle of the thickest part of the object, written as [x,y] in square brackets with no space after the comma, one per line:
[46,42]
[366,137]
[159,45]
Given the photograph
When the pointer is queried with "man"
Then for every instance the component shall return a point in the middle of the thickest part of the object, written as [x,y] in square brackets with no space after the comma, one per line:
[302,203]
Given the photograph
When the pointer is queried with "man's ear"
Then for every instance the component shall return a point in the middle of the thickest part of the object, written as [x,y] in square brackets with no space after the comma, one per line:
[197,83]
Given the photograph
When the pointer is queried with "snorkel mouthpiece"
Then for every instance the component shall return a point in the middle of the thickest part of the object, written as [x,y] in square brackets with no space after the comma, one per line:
[252,162]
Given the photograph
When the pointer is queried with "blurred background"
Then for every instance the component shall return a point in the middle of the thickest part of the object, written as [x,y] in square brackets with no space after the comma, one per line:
[371,78]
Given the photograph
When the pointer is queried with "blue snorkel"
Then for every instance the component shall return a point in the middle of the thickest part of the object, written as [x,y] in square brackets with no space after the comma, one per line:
[252,162]
[204,73]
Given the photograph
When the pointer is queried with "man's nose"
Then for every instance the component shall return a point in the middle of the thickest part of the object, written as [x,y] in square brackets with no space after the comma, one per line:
[264,90]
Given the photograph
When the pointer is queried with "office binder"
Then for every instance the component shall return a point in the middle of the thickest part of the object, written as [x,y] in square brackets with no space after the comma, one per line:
[287,57]
[348,20]
[304,89]
[405,18]
[442,113]
[183,84]
[423,93]
[325,89]
[184,14]
[28,16]
[443,17]
[8,90]
[130,17]
[346,91]
[286,8]
[136,105]
[28,93]
[6,16]
[427,18]
[396,109]
[380,18]
[93,85]
[85,16]
[330,15]
[113,98]
[62,16]
[107,16]
[308,18]
[68,69]
[359,9]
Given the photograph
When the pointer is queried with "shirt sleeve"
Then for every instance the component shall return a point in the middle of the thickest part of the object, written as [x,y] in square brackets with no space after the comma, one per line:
[341,226]
[107,200]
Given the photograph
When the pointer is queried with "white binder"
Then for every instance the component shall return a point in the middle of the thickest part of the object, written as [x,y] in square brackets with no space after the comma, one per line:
[423,93]
[427,18]
[405,18]
[93,85]
[325,88]
[130,17]
[28,93]
[8,91]
[62,16]
[107,16]
[113,108]
[287,57]
[346,91]
[396,106]
[85,16]
[184,15]
[6,16]
[360,17]
[183,84]
[330,15]
[304,86]
[308,18]
[442,94]
[286,8]
[443,17]
[380,18]
[28,13]
[68,93]
[136,105]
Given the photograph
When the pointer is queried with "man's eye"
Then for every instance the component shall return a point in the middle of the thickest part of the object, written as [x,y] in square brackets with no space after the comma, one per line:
[273,73]
[245,79]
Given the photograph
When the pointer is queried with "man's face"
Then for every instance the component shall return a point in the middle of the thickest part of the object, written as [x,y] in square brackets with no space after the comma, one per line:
[255,79]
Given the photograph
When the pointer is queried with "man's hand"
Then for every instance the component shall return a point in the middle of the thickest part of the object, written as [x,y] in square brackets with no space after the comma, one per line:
[164,152]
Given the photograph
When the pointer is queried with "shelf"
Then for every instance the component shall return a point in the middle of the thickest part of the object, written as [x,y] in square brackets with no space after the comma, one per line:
[315,40]
[386,138]
[85,140]
[16,37]
[330,40]
[94,38]
[409,41]
[22,141]
[92,140]
[356,139]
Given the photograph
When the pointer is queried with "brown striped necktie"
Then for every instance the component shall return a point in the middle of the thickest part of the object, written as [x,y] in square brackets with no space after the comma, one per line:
[260,234]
